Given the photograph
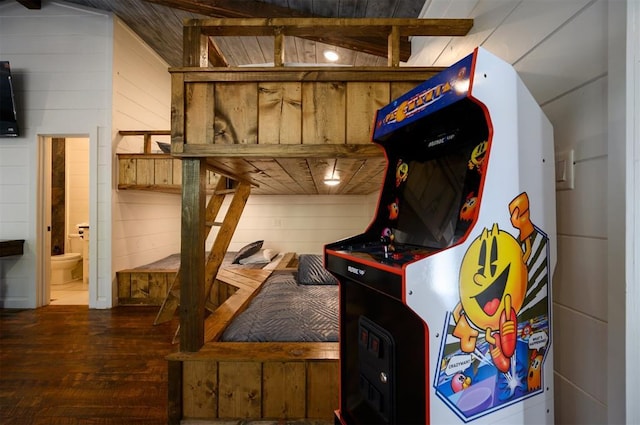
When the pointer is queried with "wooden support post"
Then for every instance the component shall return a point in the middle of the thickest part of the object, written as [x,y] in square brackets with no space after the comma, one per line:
[216,58]
[278,48]
[393,49]
[192,255]
[147,143]
[195,47]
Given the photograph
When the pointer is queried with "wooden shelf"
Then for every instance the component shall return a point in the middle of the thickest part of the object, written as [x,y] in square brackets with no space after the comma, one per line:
[11,247]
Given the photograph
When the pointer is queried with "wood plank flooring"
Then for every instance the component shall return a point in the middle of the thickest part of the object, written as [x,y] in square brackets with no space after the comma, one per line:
[71,365]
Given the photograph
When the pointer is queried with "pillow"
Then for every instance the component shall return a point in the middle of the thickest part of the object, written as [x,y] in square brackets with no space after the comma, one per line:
[311,271]
[263,256]
[164,147]
[247,251]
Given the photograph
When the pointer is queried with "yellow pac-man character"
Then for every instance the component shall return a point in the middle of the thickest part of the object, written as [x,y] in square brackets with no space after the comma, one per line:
[492,284]
[477,156]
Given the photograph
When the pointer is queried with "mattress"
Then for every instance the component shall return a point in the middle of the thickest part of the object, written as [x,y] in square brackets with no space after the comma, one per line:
[285,311]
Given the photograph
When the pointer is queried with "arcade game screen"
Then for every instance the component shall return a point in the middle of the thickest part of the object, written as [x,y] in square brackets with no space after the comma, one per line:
[434,171]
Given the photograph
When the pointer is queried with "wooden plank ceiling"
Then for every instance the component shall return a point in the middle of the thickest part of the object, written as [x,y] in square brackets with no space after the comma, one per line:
[159,24]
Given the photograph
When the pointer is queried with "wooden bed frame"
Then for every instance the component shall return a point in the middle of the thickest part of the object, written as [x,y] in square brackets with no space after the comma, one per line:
[288,124]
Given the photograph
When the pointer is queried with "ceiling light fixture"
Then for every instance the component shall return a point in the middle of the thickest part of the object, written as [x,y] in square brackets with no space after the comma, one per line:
[331,55]
[332,181]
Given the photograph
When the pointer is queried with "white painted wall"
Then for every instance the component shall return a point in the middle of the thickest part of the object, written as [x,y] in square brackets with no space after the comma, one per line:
[302,224]
[146,225]
[61,62]
[77,183]
[564,53]
[70,65]
[632,195]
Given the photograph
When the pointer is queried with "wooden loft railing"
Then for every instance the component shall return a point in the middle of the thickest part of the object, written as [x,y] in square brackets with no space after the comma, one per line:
[151,171]
[147,136]
[359,32]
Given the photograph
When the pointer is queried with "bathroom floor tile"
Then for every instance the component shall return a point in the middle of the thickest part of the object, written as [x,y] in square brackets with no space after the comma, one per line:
[71,293]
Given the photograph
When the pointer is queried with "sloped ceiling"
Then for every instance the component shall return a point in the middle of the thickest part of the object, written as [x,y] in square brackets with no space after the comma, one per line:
[159,23]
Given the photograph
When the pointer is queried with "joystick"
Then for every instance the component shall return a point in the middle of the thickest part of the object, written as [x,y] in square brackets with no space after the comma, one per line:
[386,245]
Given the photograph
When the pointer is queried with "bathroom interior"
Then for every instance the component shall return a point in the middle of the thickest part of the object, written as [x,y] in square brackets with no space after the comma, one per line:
[69,229]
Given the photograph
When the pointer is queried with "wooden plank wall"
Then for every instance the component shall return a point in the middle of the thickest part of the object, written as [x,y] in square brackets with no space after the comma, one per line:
[318,112]
[158,172]
[143,287]
[267,387]
[150,287]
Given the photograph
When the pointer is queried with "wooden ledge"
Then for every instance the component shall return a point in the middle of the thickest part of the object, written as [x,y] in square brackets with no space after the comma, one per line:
[351,151]
[263,351]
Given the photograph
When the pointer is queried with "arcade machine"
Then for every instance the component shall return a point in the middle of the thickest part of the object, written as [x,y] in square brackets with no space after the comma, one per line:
[445,299]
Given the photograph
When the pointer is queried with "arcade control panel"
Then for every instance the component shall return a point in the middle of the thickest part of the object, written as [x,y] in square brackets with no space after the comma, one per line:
[385,252]
[361,262]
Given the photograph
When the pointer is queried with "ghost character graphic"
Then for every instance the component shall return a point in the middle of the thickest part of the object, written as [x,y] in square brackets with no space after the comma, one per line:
[469,208]
[394,209]
[534,377]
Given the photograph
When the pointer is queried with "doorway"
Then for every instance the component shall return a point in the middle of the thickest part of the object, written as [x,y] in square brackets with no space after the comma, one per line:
[63,220]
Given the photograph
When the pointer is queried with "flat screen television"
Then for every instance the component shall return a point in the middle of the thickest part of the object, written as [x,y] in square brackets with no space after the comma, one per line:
[8,116]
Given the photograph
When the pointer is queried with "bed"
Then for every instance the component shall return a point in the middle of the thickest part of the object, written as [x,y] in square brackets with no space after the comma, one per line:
[272,353]
[149,283]
[299,306]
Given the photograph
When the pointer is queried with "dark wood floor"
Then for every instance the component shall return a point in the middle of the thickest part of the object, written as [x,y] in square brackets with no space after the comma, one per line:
[71,365]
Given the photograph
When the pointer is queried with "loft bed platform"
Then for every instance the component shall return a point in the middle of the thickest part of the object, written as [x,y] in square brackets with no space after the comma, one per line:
[233,376]
[284,131]
[149,284]
[274,130]
[281,130]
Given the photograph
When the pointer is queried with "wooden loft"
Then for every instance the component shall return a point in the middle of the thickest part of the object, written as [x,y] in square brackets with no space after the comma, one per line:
[223,116]
[284,143]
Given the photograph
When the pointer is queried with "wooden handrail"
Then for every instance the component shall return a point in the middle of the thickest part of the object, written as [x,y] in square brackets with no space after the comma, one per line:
[147,136]
[359,32]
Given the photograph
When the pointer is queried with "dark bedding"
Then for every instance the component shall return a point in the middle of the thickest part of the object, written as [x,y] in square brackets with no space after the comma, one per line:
[285,311]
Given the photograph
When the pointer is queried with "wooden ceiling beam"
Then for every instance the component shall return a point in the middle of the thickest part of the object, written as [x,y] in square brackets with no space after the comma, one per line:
[216,58]
[305,27]
[31,4]
[365,42]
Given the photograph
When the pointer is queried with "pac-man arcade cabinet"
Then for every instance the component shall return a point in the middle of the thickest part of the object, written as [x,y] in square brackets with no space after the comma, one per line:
[445,299]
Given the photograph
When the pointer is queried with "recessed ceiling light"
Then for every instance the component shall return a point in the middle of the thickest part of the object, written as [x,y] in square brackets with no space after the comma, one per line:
[332,182]
[331,55]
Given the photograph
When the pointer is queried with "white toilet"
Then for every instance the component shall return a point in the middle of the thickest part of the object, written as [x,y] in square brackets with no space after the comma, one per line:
[64,265]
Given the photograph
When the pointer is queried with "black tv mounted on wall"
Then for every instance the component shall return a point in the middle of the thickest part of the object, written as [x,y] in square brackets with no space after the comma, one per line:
[8,116]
